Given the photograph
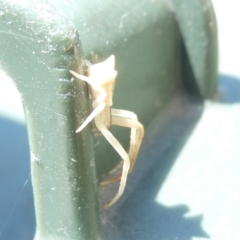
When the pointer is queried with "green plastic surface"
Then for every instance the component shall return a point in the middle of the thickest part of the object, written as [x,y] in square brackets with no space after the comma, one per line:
[144,37]
[39,44]
[198,25]
[38,47]
[150,58]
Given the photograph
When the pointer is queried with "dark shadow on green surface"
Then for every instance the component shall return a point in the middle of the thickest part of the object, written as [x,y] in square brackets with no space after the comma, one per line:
[188,79]
[138,215]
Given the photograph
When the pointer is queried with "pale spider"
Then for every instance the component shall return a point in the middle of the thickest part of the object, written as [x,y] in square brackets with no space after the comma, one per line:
[101,79]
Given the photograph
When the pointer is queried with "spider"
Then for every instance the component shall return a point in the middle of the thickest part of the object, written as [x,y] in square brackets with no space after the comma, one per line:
[101,80]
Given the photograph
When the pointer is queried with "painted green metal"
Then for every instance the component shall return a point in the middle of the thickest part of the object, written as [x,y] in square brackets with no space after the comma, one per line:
[39,44]
[144,37]
[150,58]
[38,47]
[198,25]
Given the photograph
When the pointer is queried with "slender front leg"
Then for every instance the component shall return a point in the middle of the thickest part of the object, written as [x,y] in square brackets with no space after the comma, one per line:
[98,104]
[93,114]
[120,150]
[129,119]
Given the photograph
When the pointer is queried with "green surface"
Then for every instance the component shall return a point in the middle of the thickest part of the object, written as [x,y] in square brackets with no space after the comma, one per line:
[198,26]
[152,58]
[38,46]
[145,39]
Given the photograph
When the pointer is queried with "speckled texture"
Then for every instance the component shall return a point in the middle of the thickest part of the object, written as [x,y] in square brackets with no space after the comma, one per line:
[39,46]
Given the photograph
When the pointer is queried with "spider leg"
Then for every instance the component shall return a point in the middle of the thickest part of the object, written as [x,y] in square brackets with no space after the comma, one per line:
[120,150]
[98,103]
[98,106]
[93,114]
[91,82]
[79,76]
[127,119]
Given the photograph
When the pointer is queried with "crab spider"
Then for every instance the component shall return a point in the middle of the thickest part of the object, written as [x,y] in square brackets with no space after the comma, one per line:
[101,80]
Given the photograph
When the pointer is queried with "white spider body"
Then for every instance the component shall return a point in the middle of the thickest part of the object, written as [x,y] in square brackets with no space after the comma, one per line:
[101,79]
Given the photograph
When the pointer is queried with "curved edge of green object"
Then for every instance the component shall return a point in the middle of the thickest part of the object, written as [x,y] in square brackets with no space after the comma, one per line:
[38,48]
[198,26]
